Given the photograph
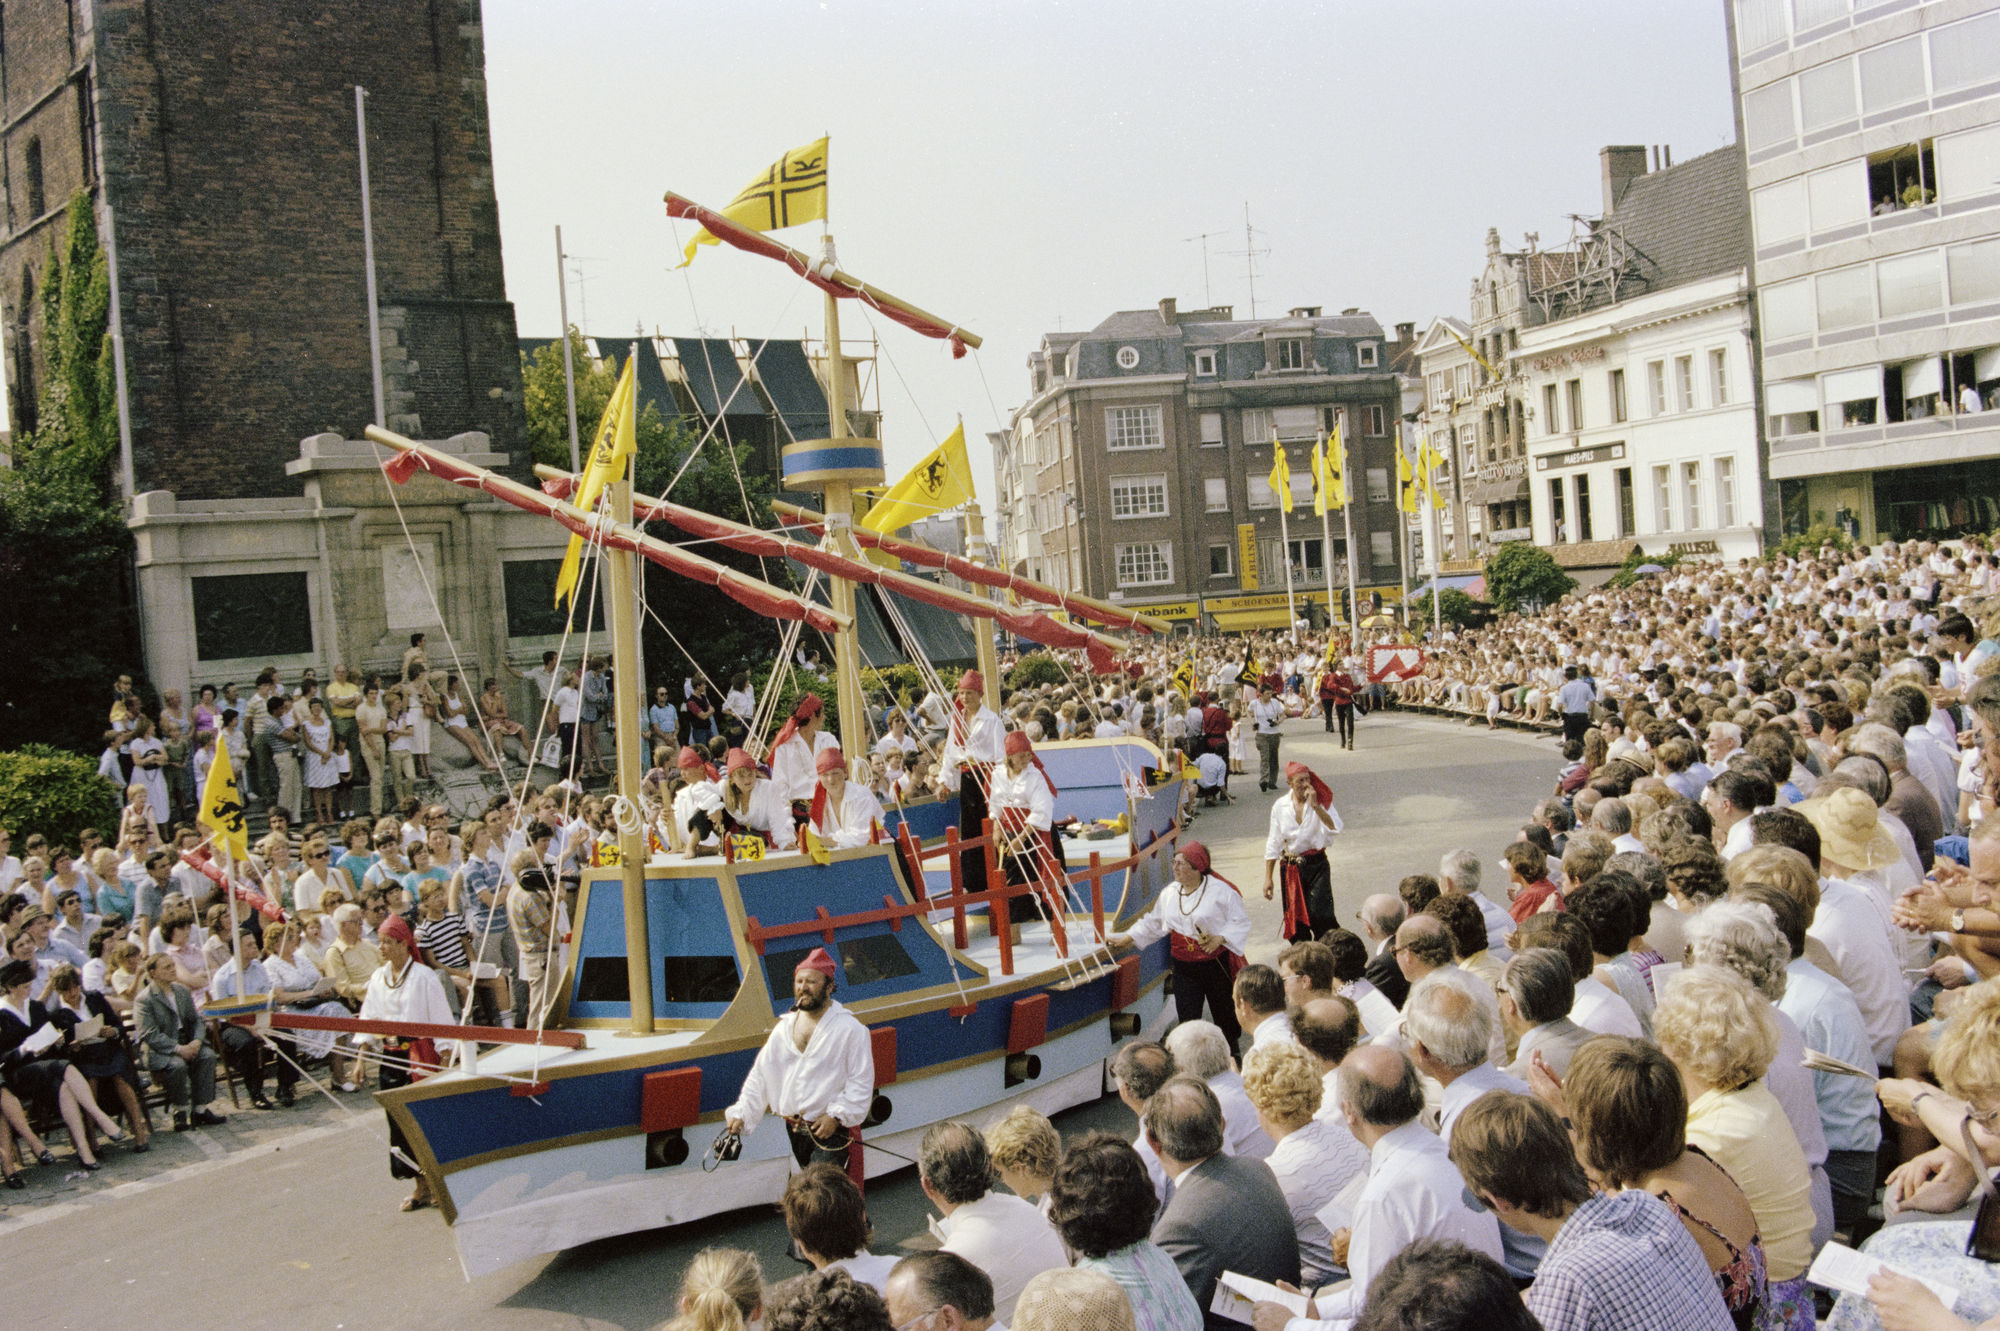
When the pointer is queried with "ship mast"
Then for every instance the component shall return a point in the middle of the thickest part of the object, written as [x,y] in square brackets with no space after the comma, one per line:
[626,693]
[836,482]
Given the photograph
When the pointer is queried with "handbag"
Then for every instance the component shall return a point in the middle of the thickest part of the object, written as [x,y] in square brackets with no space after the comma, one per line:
[1984,1241]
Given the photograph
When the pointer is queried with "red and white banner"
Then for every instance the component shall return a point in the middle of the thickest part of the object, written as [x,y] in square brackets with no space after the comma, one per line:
[1392,665]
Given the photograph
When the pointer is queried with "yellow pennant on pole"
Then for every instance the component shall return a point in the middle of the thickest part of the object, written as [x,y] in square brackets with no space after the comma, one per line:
[943,480]
[1334,480]
[222,806]
[1281,477]
[617,439]
[791,190]
[1406,495]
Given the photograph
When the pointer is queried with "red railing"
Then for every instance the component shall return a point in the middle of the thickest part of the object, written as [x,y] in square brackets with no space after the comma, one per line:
[412,1030]
[996,898]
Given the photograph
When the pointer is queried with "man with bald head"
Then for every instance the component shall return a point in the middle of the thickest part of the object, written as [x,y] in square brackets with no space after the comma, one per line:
[1422,946]
[1380,917]
[1413,1192]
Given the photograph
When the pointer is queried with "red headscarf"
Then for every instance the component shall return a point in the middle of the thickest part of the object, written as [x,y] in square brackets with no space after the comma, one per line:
[1322,792]
[809,707]
[691,757]
[398,928]
[829,760]
[1183,949]
[738,760]
[1017,742]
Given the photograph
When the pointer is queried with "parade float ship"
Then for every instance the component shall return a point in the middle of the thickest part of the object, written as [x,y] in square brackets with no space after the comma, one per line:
[978,996]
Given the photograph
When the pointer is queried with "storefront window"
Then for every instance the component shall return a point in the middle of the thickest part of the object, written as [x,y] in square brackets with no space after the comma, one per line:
[1928,503]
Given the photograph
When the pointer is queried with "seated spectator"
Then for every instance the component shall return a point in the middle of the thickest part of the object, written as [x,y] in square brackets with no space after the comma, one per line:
[1069,1299]
[1596,1007]
[1314,1160]
[1413,1191]
[1720,1034]
[941,1289]
[1003,1236]
[1307,971]
[1606,906]
[350,958]
[1026,1149]
[828,1223]
[1536,992]
[1440,1285]
[1102,1204]
[1225,1213]
[1451,1028]
[1380,917]
[1328,1029]
[1467,931]
[173,1045]
[1528,887]
[1260,1005]
[1459,874]
[1200,1050]
[826,1301]
[1140,1069]
[242,975]
[1614,1261]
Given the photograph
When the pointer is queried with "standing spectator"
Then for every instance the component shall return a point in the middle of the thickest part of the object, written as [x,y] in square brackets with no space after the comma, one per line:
[1575,698]
[1267,715]
[371,723]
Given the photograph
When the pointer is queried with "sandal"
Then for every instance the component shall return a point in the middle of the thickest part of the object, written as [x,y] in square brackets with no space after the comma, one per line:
[46,1156]
[416,1203]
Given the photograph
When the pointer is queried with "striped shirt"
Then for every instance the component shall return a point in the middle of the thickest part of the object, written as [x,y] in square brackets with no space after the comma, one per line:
[443,943]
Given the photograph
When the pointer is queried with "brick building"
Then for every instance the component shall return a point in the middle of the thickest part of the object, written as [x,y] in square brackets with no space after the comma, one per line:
[1137,468]
[217,143]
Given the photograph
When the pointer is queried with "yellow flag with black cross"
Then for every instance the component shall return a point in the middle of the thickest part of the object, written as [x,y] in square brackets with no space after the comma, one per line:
[791,190]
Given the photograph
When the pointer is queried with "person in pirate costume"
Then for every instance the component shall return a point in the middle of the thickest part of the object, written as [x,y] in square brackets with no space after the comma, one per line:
[844,813]
[973,746]
[795,755]
[698,803]
[1202,915]
[404,989]
[754,806]
[816,1071]
[1023,802]
[1301,821]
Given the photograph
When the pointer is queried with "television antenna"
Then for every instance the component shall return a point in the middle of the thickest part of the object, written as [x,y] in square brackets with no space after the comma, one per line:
[1250,253]
[581,283]
[1207,292]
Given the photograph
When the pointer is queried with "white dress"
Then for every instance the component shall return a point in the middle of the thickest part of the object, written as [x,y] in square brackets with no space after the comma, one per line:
[321,773]
[154,779]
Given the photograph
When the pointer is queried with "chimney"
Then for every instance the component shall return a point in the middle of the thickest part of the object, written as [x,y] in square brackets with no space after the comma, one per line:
[1169,310]
[1406,333]
[1667,151]
[1492,242]
[1623,163]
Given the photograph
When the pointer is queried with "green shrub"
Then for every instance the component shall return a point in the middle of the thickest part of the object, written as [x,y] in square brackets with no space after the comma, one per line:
[1520,576]
[903,683]
[1809,541]
[56,793]
[1458,608]
[1036,669]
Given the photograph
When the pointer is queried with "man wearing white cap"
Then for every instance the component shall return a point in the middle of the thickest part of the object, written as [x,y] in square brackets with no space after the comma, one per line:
[816,1071]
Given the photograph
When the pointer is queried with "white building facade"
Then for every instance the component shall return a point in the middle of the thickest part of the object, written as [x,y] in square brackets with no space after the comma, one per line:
[1642,423]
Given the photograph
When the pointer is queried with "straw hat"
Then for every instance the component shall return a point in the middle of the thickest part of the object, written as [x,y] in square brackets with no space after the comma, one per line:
[1849,833]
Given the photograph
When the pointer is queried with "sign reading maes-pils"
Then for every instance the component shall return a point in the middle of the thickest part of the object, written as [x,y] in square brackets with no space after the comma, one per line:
[1392,665]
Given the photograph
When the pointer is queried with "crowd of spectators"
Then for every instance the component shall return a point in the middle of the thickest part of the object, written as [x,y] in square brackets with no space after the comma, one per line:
[1731,996]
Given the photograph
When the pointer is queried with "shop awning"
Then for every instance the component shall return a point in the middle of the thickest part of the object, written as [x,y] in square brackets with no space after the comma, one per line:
[1497,492]
[1472,584]
[1244,621]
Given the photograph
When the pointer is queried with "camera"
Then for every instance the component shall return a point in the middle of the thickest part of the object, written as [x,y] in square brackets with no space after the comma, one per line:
[728,1146]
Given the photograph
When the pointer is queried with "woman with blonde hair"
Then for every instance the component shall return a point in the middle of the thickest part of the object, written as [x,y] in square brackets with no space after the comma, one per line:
[1722,1036]
[722,1290]
[1025,1149]
[1314,1159]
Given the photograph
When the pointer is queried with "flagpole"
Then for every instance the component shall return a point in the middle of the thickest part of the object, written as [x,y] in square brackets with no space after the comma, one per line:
[1347,521]
[368,255]
[569,375]
[1325,534]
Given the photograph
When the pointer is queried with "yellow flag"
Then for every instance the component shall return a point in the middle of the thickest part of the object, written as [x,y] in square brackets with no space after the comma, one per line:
[1432,460]
[815,849]
[617,439]
[1184,678]
[791,190]
[1406,498]
[942,480]
[222,806]
[1336,470]
[1281,477]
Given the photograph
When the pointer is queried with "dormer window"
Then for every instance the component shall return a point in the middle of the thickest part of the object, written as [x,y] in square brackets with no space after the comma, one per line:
[1128,358]
[1291,353]
[1368,355]
[1204,364]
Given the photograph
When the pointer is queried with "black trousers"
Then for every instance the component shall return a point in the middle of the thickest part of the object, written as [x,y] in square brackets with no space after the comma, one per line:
[399,1145]
[807,1150]
[1574,724]
[1317,879]
[1207,981]
[245,1053]
[971,823]
[1345,712]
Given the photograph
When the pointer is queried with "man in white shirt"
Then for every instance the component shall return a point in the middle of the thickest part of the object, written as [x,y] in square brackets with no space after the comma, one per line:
[1199,1050]
[1459,873]
[1328,1029]
[1575,698]
[1597,1007]
[1003,1235]
[1413,1192]
[1267,715]
[1302,821]
[816,1071]
[1260,1005]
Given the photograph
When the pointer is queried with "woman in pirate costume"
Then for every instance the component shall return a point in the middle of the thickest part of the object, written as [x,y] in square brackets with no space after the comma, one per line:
[1208,928]
[1022,801]
[795,755]
[697,818]
[1301,821]
[844,813]
[753,806]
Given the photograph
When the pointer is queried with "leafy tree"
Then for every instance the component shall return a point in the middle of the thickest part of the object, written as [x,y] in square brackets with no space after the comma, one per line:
[700,623]
[1457,608]
[1810,541]
[66,598]
[56,793]
[1523,576]
[1036,669]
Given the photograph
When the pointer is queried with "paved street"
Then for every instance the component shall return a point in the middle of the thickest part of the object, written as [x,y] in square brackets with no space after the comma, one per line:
[294,1214]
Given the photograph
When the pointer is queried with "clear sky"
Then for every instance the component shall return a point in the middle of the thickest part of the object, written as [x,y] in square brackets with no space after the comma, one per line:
[1018,167]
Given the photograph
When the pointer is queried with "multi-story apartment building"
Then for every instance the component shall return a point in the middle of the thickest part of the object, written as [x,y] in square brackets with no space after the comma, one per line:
[1138,468]
[1872,137]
